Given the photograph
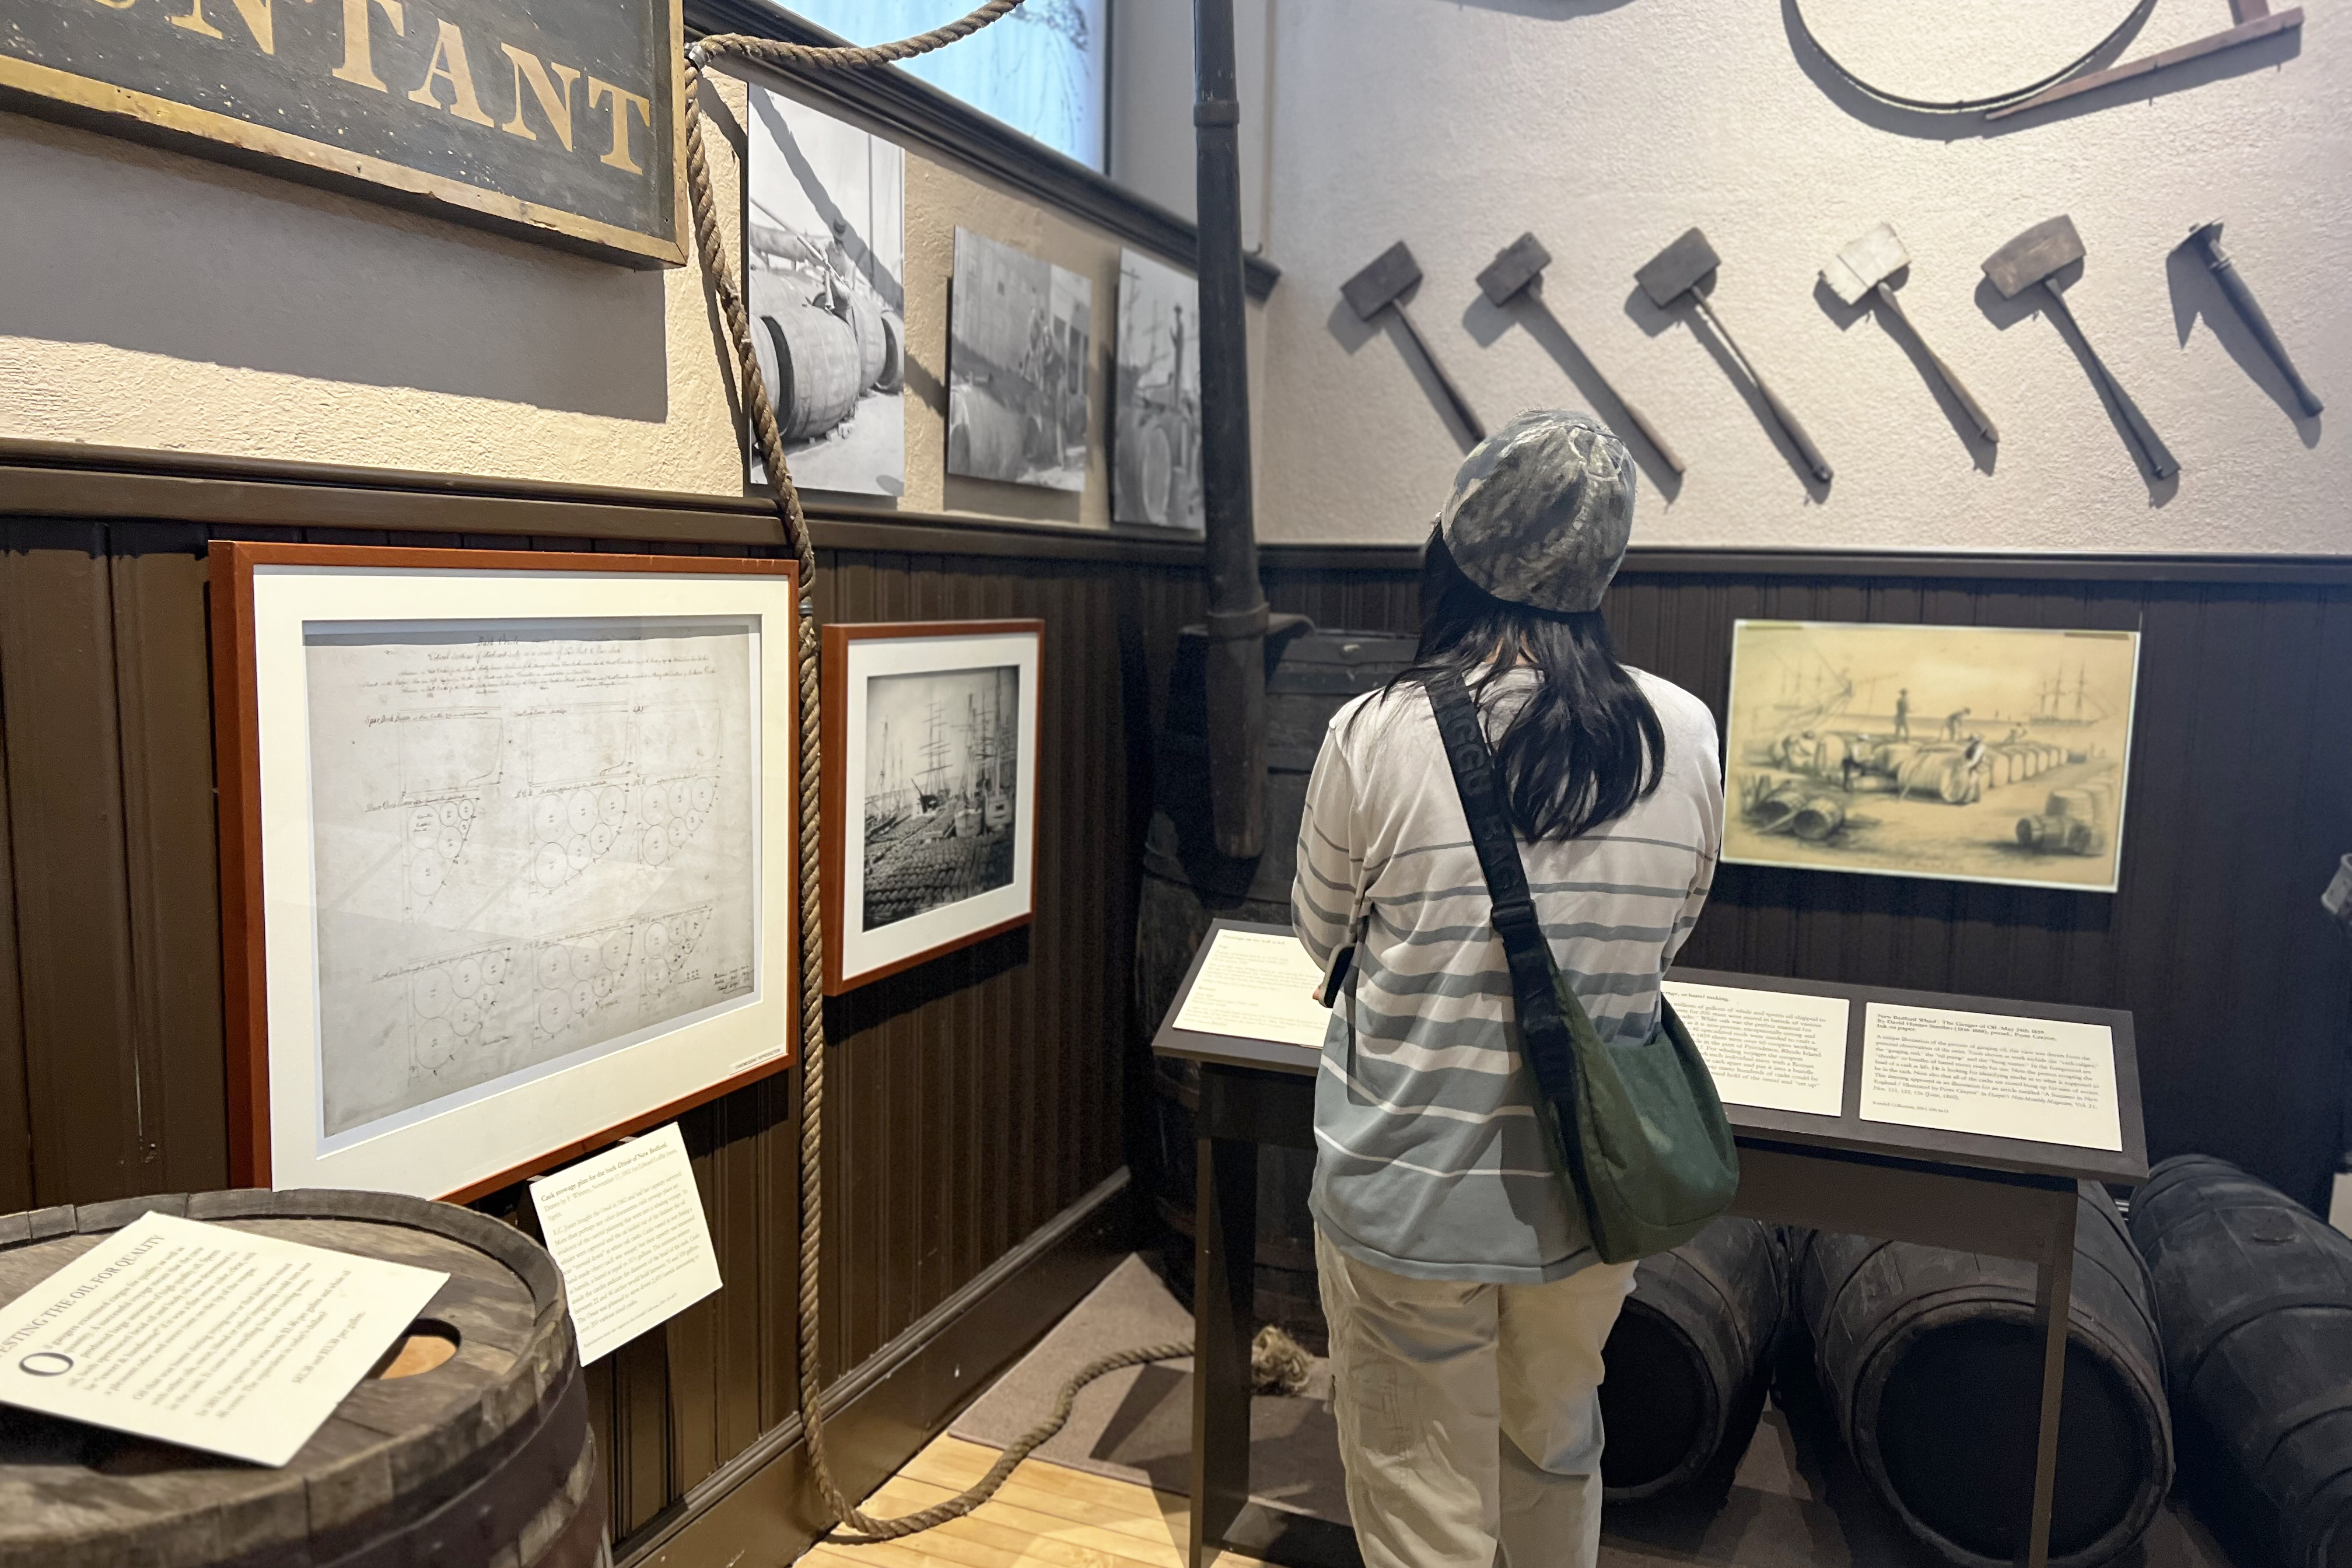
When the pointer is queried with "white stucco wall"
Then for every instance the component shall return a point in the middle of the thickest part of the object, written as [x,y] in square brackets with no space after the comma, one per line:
[1609,126]
[156,301]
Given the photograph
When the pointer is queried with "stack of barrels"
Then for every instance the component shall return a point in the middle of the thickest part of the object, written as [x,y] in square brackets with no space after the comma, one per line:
[469,1445]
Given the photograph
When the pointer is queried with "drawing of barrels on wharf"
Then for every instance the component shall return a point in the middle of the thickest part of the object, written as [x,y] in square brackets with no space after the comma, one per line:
[1018,334]
[824,269]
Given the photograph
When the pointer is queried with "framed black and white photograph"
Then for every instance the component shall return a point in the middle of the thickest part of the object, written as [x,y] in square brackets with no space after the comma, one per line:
[1018,336]
[931,796]
[505,853]
[824,266]
[1155,428]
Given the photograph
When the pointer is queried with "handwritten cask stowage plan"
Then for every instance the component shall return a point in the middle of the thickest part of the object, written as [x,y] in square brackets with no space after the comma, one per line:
[554,120]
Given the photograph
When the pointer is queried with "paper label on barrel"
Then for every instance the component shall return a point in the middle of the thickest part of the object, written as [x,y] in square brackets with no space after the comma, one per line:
[1256,985]
[1994,1073]
[204,1335]
[1771,1050]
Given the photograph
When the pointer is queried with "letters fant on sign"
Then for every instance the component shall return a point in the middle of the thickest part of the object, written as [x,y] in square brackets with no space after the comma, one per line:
[556,121]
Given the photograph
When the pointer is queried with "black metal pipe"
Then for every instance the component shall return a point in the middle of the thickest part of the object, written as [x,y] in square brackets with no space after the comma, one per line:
[1237,612]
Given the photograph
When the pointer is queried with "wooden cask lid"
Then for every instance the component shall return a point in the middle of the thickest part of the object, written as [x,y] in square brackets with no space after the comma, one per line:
[482,1459]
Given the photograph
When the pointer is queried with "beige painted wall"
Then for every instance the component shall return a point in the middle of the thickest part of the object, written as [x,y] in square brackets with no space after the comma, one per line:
[1609,126]
[155,301]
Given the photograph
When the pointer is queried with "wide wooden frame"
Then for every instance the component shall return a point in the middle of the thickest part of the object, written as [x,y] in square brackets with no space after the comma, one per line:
[840,811]
[769,1016]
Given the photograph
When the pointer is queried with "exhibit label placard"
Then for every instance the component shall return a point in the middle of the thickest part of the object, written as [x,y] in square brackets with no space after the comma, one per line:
[205,1335]
[552,120]
[1256,987]
[627,1229]
[2002,1075]
[1776,1050]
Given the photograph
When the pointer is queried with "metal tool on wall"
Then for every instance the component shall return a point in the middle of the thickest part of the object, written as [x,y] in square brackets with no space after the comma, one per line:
[2206,239]
[1862,270]
[2032,257]
[1680,272]
[1517,270]
[2255,19]
[1380,287]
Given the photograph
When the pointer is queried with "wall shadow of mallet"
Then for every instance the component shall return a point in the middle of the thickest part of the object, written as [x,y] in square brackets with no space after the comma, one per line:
[1679,272]
[1379,287]
[2206,240]
[1517,270]
[1862,270]
[2032,257]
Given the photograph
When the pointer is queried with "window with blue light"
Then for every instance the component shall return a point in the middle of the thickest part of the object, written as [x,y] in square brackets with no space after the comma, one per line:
[1043,69]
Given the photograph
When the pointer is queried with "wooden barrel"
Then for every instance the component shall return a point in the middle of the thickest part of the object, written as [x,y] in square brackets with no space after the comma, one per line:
[810,358]
[482,1457]
[2255,1296]
[1689,1359]
[1187,884]
[1932,1367]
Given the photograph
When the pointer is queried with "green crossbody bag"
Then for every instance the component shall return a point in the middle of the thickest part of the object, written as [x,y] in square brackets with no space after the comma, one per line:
[1639,1130]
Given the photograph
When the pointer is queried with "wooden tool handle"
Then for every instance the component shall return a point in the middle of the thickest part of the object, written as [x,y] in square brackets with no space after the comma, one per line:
[1649,431]
[1968,401]
[2226,273]
[2151,446]
[1462,409]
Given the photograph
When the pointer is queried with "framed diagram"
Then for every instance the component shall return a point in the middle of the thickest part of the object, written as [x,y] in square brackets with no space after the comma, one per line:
[1971,753]
[930,790]
[506,865]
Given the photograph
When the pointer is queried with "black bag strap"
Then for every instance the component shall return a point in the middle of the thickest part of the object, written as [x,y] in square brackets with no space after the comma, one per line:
[1543,1030]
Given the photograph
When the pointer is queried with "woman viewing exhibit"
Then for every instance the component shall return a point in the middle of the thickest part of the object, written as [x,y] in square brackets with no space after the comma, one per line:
[1467,1303]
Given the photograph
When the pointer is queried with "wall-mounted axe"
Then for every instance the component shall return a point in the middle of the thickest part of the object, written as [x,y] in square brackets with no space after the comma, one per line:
[1680,272]
[1862,268]
[2207,239]
[1516,269]
[1380,287]
[2031,258]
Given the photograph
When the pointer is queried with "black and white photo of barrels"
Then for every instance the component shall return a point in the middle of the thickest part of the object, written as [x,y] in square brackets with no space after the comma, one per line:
[1018,336]
[824,263]
[941,790]
[1156,434]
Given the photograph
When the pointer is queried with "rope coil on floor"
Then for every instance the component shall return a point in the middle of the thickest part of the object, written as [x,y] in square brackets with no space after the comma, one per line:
[710,247]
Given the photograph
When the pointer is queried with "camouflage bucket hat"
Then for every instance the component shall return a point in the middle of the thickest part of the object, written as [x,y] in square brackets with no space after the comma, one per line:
[1541,510]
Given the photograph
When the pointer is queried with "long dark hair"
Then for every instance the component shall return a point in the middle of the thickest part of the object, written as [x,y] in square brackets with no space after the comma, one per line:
[1585,745]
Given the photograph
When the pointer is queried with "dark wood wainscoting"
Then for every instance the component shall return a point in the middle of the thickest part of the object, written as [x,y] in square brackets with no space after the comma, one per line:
[2240,799]
[974,1148]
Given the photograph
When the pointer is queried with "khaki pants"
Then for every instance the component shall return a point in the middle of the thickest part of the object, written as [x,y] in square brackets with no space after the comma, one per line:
[1469,1415]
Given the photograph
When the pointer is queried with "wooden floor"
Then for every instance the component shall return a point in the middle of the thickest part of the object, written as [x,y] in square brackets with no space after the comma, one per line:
[1047,1514]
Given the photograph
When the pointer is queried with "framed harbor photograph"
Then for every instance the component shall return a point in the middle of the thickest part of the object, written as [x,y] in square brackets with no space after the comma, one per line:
[929,790]
[506,865]
[824,260]
[1971,753]
[1019,331]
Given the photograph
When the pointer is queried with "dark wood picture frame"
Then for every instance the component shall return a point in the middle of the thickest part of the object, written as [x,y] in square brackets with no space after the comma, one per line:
[237,761]
[837,805]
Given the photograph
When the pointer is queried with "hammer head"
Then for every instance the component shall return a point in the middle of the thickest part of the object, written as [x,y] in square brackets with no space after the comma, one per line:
[1374,289]
[2033,256]
[1677,270]
[1865,264]
[1514,266]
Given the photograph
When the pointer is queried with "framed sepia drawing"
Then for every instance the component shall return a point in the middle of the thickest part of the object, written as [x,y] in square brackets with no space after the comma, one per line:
[506,865]
[1973,753]
[930,790]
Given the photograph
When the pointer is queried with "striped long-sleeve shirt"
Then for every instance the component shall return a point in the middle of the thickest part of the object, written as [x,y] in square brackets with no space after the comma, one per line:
[1430,1161]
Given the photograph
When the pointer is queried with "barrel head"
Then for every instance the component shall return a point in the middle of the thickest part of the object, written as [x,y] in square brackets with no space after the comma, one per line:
[1374,289]
[1678,268]
[1514,266]
[1866,263]
[2033,256]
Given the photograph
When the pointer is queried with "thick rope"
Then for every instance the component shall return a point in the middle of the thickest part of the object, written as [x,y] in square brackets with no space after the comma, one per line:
[710,247]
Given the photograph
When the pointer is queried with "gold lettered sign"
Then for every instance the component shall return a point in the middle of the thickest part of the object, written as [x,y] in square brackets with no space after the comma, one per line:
[552,120]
